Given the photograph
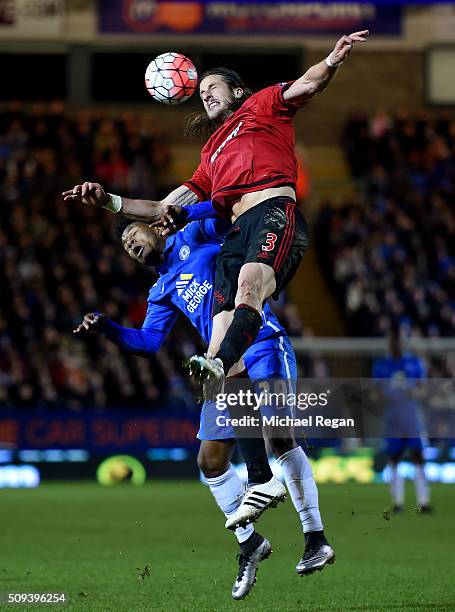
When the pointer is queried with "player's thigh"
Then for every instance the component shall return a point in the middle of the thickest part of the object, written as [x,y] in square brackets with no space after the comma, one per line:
[214,456]
[256,283]
[229,262]
[278,238]
[221,323]
[415,446]
[273,359]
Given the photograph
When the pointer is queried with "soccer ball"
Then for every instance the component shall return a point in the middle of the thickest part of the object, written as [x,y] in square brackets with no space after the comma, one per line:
[171,78]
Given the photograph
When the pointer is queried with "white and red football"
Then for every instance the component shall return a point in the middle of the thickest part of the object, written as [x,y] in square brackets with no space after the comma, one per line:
[171,78]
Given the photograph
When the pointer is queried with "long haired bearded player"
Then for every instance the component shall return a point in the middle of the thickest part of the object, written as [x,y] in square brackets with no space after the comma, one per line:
[248,168]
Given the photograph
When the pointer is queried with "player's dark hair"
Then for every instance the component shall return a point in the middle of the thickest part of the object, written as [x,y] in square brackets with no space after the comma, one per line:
[199,123]
[122,225]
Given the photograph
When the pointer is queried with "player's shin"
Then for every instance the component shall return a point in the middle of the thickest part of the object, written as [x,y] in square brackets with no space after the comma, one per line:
[421,487]
[396,487]
[256,460]
[228,490]
[251,448]
[302,488]
[240,335]
[264,489]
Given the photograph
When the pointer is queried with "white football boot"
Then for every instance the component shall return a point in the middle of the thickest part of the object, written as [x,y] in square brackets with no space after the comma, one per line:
[248,567]
[316,556]
[256,500]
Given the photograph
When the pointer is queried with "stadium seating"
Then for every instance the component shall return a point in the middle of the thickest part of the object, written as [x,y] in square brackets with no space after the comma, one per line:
[389,254]
[58,262]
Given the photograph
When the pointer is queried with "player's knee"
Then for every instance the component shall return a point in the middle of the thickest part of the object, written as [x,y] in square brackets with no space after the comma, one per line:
[279,446]
[417,457]
[256,283]
[249,292]
[212,465]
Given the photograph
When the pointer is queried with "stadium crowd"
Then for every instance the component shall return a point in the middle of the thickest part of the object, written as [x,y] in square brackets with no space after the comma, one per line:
[58,262]
[390,255]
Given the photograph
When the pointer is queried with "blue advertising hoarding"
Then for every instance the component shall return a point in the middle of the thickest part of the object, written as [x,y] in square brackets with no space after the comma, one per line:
[99,433]
[236,18]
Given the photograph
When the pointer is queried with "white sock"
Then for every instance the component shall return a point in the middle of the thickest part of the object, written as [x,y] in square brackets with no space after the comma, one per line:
[228,491]
[396,486]
[421,486]
[302,488]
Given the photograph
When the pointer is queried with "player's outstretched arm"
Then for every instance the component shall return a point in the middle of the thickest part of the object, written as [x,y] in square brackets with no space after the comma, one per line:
[145,341]
[182,196]
[153,212]
[318,76]
[150,211]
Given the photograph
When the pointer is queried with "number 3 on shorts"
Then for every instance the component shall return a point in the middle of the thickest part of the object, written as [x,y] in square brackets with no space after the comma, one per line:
[270,242]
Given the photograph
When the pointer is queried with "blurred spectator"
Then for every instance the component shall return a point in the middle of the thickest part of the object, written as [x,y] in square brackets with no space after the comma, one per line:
[390,256]
[58,262]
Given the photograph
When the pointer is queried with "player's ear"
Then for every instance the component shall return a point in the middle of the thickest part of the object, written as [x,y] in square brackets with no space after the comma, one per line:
[238,93]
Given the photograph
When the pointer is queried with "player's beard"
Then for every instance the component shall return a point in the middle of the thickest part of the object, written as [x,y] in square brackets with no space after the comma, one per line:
[200,124]
[229,107]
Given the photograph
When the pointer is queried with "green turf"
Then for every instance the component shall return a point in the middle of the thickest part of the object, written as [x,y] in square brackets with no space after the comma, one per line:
[90,541]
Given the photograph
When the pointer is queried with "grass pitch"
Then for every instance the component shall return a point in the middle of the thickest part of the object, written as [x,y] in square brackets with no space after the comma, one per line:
[163,547]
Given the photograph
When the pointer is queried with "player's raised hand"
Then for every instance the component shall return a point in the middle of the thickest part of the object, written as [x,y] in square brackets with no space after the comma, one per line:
[345,45]
[88,193]
[92,322]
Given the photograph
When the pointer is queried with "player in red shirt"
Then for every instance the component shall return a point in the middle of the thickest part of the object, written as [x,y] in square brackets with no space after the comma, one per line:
[249,169]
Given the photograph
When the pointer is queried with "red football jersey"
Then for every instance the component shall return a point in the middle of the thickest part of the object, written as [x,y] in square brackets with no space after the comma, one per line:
[252,150]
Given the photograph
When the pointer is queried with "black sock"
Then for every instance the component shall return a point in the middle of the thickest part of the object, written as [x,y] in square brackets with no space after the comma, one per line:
[315,537]
[240,335]
[252,449]
[258,471]
[255,456]
[252,543]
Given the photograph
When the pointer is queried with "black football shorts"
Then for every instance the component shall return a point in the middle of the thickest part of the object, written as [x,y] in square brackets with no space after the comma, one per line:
[274,233]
